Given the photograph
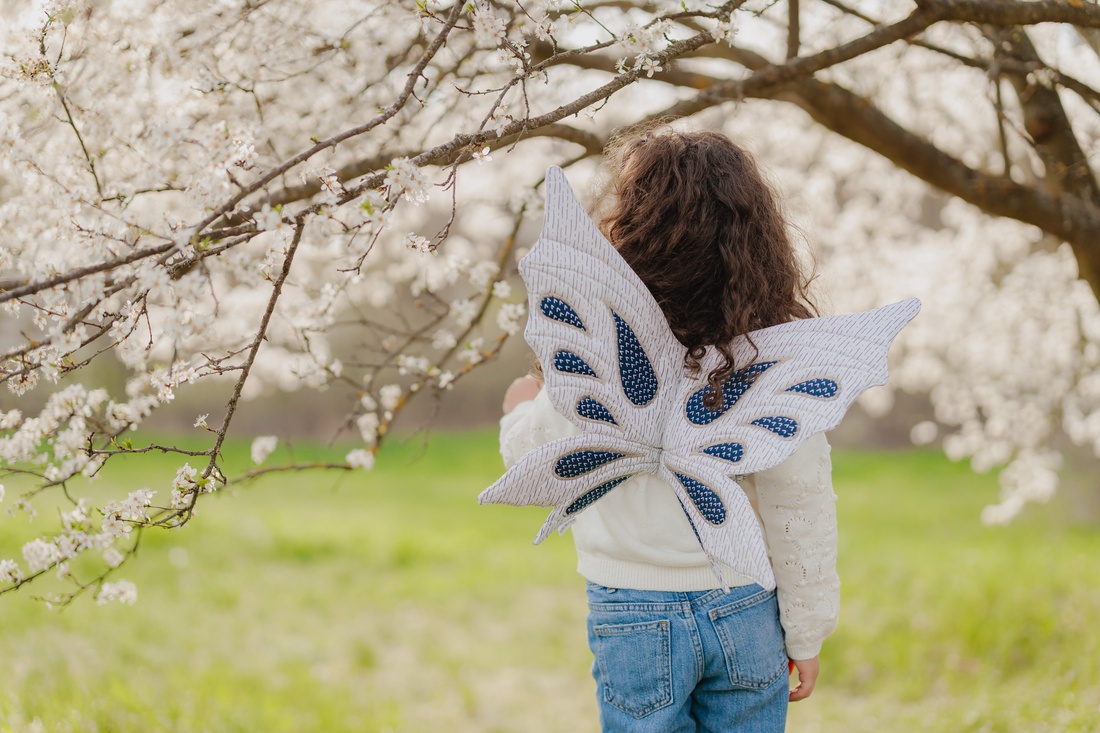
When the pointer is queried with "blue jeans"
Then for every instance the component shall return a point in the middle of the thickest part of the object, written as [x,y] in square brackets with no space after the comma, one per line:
[695,662]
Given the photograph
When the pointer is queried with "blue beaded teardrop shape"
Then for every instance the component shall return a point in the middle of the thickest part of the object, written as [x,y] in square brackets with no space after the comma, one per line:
[570,363]
[704,499]
[823,388]
[635,370]
[591,496]
[732,452]
[593,410]
[732,390]
[583,461]
[558,310]
[784,427]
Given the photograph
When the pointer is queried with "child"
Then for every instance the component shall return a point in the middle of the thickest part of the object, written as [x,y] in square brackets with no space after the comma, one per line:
[692,216]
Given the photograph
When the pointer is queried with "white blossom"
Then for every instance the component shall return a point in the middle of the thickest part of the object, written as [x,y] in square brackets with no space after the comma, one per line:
[508,317]
[482,156]
[502,289]
[244,154]
[40,554]
[112,557]
[10,572]
[924,433]
[463,311]
[648,64]
[368,424]
[472,353]
[488,28]
[360,458]
[186,477]
[482,274]
[412,364]
[269,219]
[134,506]
[407,180]
[25,506]
[114,525]
[418,243]
[77,518]
[390,396]
[499,120]
[122,591]
[723,32]
[262,447]
[443,339]
[10,419]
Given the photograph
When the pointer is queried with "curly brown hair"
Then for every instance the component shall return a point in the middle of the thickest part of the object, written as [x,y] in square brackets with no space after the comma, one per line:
[693,216]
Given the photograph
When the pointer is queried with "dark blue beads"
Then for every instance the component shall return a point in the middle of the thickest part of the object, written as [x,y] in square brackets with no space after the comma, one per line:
[732,452]
[583,461]
[704,498]
[591,496]
[823,388]
[784,427]
[558,310]
[732,390]
[635,371]
[570,363]
[593,410]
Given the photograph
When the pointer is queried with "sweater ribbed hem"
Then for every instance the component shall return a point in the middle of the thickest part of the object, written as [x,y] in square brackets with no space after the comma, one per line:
[614,573]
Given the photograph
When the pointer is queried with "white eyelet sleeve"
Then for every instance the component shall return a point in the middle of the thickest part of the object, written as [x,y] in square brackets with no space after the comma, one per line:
[797,507]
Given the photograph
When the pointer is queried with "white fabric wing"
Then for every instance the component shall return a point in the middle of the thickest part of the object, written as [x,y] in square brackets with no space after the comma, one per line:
[588,310]
[613,368]
[801,379]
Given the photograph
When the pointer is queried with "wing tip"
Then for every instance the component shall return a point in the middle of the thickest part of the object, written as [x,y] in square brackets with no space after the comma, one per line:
[893,317]
[498,492]
[556,184]
[909,308]
[558,199]
[488,496]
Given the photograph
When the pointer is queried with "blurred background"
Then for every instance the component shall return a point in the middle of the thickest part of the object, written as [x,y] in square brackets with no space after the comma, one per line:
[955,165]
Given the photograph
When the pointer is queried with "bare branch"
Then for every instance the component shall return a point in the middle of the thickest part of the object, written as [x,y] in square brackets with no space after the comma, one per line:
[590,142]
[1014,12]
[792,28]
[81,272]
[802,66]
[1045,119]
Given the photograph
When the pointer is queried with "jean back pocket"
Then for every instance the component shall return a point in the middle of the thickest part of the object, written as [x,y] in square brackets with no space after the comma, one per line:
[634,665]
[752,640]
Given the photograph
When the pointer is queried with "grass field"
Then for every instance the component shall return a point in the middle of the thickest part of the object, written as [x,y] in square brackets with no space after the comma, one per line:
[389,601]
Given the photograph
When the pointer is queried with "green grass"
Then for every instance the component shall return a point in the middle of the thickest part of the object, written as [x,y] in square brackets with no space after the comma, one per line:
[390,601]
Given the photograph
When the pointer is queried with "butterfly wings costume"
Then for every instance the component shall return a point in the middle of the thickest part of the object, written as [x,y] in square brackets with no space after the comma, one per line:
[613,368]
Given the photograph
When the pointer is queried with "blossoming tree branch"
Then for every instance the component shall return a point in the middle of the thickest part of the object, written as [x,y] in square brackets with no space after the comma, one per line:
[278,195]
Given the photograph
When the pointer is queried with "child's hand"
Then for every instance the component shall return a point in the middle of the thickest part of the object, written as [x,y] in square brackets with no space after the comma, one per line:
[807,678]
[523,389]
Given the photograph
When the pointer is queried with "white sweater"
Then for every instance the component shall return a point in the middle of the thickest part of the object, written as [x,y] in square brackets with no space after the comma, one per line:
[638,536]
